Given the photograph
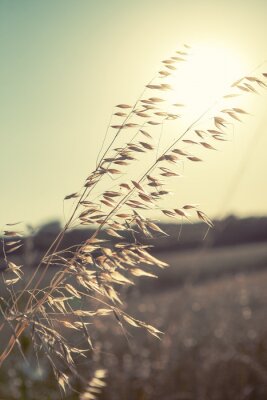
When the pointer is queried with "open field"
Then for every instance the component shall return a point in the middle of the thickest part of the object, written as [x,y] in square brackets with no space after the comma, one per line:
[211,305]
[214,346]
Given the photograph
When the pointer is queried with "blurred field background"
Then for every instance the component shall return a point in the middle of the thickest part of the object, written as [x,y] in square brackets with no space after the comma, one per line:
[210,304]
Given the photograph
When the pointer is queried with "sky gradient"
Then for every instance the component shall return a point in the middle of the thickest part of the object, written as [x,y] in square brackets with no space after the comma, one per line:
[66,63]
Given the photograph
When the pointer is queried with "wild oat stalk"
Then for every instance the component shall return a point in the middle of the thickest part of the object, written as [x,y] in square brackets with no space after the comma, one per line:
[113,255]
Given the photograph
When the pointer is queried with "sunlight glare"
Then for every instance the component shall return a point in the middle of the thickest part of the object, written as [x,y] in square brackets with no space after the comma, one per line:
[205,77]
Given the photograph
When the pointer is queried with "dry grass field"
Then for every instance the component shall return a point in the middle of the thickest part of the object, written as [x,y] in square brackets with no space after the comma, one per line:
[73,322]
[211,306]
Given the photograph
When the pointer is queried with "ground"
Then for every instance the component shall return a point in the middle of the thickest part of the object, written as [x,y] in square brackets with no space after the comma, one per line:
[210,304]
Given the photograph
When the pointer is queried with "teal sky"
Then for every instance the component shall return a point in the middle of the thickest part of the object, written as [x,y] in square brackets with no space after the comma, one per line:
[66,63]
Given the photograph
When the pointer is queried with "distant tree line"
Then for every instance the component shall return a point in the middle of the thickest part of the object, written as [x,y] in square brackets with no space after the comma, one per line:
[228,232]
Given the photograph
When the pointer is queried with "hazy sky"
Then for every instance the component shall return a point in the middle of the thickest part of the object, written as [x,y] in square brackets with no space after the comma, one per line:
[66,63]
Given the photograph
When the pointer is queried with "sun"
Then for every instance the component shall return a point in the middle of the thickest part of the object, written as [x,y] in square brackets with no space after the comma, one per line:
[205,77]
